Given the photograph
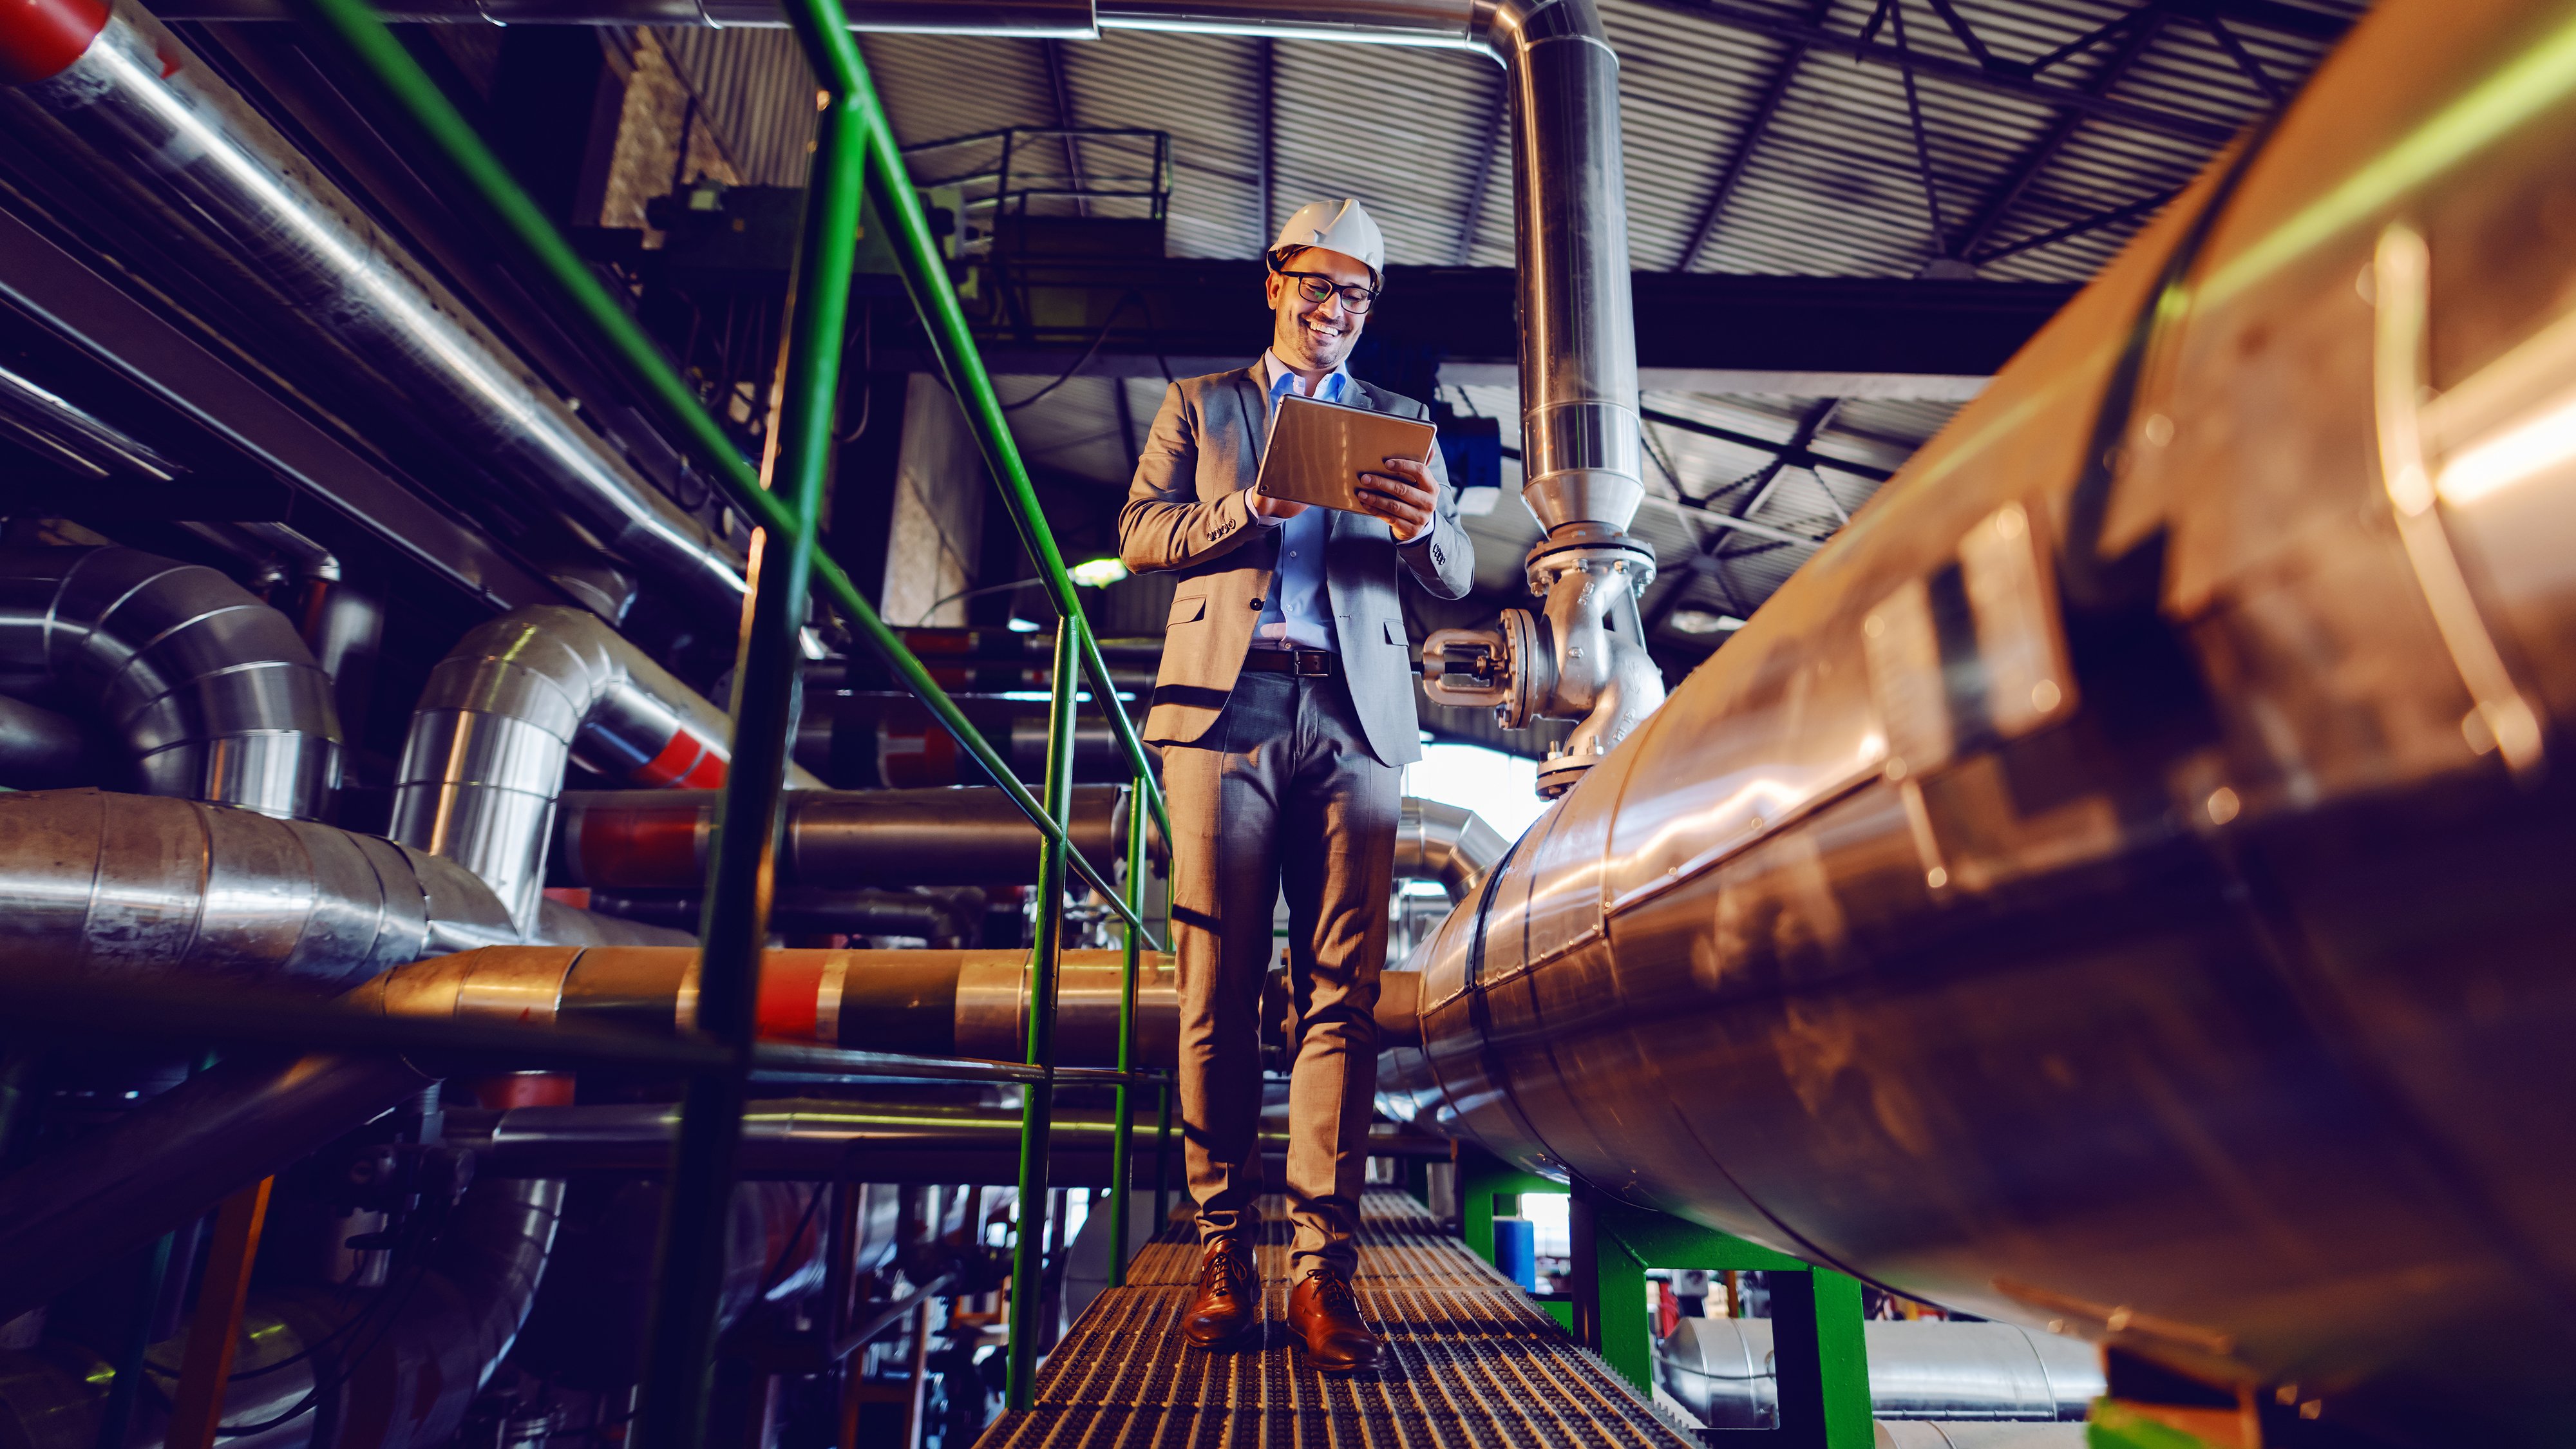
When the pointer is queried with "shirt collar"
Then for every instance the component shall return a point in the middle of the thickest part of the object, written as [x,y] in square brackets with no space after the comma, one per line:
[1335,384]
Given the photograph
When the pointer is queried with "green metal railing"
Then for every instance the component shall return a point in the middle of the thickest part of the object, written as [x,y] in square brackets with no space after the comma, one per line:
[855,155]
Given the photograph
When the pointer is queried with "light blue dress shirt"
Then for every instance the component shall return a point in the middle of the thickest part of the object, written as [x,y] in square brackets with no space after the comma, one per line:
[1299,613]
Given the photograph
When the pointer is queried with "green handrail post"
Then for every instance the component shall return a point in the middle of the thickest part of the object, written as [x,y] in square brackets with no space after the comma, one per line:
[934,297]
[1119,1147]
[1037,1101]
[690,1262]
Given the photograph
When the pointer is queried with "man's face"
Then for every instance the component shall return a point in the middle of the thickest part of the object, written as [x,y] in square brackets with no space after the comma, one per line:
[1315,336]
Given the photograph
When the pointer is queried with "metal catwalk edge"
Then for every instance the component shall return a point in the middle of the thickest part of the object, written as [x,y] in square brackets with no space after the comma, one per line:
[1470,1362]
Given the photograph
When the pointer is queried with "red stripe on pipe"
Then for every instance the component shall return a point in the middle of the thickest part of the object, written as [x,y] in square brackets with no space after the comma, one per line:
[708,774]
[791,989]
[680,756]
[39,39]
[641,847]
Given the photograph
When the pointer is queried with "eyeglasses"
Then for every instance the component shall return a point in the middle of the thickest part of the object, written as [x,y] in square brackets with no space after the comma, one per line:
[1315,287]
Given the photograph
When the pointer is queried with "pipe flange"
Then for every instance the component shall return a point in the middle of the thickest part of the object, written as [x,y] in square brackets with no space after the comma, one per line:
[1560,771]
[1592,548]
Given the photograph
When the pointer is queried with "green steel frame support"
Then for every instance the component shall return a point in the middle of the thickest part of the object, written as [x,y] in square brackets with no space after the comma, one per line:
[689,1279]
[1121,1170]
[1822,1363]
[1482,1177]
[1037,1102]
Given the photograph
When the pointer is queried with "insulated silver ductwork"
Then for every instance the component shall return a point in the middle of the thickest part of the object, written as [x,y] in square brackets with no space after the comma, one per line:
[210,691]
[1061,19]
[154,133]
[1721,1369]
[135,887]
[404,1380]
[969,835]
[514,702]
[2120,884]
[970,1003]
[1445,843]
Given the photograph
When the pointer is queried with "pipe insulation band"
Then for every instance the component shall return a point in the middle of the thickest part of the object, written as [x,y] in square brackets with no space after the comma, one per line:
[39,39]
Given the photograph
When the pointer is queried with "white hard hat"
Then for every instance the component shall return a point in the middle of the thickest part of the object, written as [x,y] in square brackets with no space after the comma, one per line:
[1335,226]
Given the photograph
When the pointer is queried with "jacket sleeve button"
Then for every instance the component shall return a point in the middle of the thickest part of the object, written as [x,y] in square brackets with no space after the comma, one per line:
[1256,606]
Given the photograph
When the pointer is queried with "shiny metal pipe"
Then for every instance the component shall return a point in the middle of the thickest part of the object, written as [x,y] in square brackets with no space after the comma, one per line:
[140,888]
[403,1380]
[945,919]
[517,699]
[2119,885]
[1059,19]
[937,1003]
[971,835]
[39,748]
[1445,843]
[1721,1369]
[211,691]
[173,1158]
[830,1140]
[154,133]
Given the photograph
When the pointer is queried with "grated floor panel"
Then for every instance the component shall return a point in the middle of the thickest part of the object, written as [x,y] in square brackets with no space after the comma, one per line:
[1470,1362]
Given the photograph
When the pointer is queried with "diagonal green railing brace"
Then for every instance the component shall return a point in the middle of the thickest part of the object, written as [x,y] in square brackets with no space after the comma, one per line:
[639,361]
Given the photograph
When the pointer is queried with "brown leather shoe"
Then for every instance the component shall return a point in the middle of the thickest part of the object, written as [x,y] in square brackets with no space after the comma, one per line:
[1228,1302]
[1323,1310]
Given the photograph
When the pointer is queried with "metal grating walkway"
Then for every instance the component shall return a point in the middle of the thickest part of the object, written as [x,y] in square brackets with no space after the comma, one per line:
[1470,1362]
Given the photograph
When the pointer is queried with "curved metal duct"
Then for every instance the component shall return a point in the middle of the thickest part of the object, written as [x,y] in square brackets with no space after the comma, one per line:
[140,888]
[1721,1369]
[404,1382]
[211,691]
[1062,19]
[2114,886]
[971,835]
[123,101]
[517,699]
[1445,843]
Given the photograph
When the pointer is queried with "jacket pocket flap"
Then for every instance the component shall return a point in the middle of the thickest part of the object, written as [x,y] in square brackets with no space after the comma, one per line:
[1395,633]
[1188,609]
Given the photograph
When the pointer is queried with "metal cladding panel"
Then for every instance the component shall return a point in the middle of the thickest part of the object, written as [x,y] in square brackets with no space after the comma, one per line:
[1685,94]
[756,92]
[938,86]
[1202,89]
[1400,128]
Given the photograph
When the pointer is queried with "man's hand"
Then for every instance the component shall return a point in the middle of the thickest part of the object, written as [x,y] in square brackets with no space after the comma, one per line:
[1404,495]
[1278,510]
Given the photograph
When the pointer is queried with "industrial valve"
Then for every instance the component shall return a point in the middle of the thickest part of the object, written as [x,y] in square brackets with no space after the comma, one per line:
[1581,657]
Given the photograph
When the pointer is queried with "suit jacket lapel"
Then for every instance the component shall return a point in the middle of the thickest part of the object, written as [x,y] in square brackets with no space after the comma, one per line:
[1254,400]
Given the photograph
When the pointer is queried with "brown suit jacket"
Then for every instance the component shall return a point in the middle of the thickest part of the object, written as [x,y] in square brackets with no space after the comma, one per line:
[1186,513]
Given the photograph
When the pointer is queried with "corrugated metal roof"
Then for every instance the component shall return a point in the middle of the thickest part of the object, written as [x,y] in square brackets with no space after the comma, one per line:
[1829,184]
[755,90]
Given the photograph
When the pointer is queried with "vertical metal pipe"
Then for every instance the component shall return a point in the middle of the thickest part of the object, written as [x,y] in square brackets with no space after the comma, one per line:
[197,1404]
[125,1388]
[1120,1144]
[1163,1159]
[1037,1107]
[696,1213]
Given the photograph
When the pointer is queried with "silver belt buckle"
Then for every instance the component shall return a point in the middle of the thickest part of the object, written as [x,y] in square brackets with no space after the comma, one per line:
[1322,663]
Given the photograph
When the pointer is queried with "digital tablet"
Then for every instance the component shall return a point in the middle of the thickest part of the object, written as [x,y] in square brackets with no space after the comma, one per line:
[1318,450]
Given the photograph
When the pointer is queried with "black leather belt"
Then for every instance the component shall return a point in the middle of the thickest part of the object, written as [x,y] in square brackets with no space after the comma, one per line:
[1305,663]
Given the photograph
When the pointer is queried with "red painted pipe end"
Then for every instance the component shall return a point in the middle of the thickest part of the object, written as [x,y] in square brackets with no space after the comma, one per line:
[39,39]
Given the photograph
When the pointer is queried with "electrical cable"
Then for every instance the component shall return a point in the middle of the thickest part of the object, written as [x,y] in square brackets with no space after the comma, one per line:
[1088,353]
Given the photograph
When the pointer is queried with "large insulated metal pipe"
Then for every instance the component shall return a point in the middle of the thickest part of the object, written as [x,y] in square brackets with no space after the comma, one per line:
[2121,883]
[212,693]
[936,1003]
[130,114]
[342,1367]
[835,1139]
[516,700]
[1722,1370]
[140,888]
[972,835]
[1446,843]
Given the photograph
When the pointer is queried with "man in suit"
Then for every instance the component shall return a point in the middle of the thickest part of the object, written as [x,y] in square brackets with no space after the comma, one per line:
[1284,710]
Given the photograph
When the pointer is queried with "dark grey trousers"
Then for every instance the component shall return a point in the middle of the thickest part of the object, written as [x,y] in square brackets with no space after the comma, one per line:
[1281,791]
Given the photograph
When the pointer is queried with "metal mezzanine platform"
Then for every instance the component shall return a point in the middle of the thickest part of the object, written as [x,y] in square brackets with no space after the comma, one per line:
[1470,1362]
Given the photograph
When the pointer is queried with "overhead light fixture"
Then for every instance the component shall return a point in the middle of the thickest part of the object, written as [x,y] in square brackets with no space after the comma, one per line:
[1701,621]
[1098,573]
[1024,626]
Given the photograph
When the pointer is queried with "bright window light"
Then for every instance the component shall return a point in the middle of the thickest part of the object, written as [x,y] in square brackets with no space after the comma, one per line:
[1098,573]
[1502,788]
[1702,621]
